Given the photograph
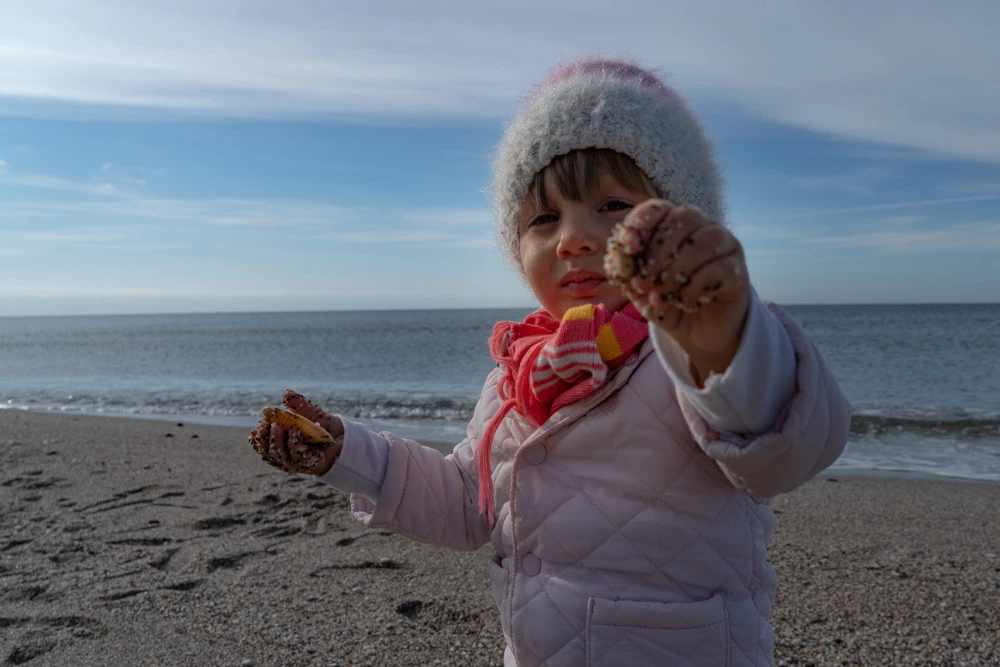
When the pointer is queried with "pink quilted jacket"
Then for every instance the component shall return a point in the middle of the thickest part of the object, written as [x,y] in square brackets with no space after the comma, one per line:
[624,534]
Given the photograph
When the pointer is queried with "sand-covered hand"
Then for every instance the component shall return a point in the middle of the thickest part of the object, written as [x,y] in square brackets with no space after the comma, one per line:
[293,443]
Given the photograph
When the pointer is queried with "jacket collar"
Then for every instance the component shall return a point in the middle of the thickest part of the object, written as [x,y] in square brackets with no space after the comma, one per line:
[575,411]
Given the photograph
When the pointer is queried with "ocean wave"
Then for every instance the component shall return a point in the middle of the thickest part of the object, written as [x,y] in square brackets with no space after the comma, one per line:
[865,424]
[935,443]
[397,408]
[240,404]
[409,407]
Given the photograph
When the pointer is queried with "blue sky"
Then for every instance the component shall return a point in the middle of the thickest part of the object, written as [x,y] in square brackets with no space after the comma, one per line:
[233,156]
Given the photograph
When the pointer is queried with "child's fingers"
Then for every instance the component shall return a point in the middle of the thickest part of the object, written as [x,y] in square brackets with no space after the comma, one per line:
[671,237]
[682,261]
[292,453]
[661,312]
[712,282]
[285,449]
[277,449]
[299,404]
[675,235]
[260,437]
[307,458]
[644,217]
[631,236]
[647,226]
[297,449]
[638,285]
[704,244]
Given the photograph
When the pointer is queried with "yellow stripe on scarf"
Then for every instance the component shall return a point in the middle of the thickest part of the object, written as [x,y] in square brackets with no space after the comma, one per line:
[584,312]
[607,344]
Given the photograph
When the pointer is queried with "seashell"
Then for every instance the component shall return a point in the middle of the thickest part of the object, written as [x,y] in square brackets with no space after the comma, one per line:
[312,432]
[619,266]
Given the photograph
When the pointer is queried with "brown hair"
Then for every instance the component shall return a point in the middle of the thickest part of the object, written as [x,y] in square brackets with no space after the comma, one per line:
[578,171]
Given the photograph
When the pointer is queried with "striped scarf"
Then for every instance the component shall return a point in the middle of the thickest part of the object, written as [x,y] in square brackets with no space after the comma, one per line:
[551,364]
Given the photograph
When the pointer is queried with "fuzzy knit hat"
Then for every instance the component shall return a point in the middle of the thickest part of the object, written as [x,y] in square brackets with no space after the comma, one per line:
[611,104]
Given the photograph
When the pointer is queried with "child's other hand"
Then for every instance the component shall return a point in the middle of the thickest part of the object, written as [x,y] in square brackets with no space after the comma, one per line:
[688,276]
[284,448]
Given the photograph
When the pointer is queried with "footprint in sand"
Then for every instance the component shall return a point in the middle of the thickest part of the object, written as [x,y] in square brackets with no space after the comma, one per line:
[26,628]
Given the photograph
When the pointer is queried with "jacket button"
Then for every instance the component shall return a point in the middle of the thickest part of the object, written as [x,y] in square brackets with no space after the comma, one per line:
[535,454]
[531,564]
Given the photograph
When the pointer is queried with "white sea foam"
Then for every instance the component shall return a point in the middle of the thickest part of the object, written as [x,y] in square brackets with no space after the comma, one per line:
[977,459]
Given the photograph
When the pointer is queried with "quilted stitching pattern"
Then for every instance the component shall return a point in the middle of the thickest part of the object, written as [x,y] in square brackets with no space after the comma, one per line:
[632,502]
[678,528]
[634,635]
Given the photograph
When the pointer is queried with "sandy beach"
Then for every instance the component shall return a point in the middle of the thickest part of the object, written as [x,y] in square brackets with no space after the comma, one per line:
[142,542]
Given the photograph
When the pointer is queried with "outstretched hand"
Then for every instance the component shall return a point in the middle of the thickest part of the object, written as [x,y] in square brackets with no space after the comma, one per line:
[285,448]
[688,275]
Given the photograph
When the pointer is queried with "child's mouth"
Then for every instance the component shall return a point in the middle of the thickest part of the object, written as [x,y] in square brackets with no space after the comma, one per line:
[582,284]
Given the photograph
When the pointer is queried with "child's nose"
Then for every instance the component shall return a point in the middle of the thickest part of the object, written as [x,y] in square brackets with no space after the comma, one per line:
[578,236]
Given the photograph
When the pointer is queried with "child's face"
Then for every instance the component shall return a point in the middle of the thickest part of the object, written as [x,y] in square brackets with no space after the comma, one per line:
[562,247]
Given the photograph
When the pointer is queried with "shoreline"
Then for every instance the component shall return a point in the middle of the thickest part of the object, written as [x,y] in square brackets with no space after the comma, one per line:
[144,542]
[248,422]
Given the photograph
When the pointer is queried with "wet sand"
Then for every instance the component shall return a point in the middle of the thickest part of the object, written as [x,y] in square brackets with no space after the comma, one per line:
[142,542]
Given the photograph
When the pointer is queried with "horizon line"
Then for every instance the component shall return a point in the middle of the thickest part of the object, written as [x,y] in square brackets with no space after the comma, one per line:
[445,308]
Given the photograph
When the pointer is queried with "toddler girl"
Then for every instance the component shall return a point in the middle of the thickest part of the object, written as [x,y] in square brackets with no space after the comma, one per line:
[621,453]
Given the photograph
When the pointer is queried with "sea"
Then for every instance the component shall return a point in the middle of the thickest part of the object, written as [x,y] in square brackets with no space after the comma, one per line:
[924,380]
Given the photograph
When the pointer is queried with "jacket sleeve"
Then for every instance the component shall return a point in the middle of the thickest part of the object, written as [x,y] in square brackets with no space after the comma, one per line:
[750,395]
[810,433]
[430,497]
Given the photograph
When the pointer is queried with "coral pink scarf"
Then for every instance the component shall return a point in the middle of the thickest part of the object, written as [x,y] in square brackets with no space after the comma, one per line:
[550,364]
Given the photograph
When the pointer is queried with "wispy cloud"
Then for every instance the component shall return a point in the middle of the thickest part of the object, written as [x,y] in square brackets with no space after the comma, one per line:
[76,237]
[918,75]
[49,182]
[961,237]
[106,291]
[889,206]
[863,181]
[890,234]
[125,175]
[902,220]
[475,217]
[976,187]
[124,214]
[265,223]
[408,237]
[103,241]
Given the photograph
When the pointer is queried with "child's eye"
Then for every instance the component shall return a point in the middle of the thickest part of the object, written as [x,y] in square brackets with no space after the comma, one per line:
[543,218]
[616,205]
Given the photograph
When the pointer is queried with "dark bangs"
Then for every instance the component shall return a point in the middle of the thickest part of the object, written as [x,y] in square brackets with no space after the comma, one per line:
[578,171]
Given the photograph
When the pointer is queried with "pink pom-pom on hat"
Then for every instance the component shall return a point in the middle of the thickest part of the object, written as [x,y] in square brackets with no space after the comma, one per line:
[623,69]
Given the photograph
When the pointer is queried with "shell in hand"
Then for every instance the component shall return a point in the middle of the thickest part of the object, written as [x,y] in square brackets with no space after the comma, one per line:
[311,432]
